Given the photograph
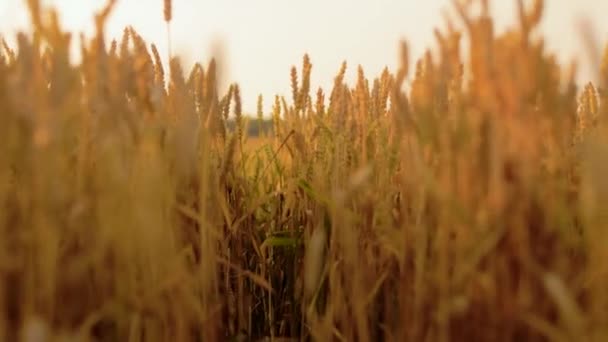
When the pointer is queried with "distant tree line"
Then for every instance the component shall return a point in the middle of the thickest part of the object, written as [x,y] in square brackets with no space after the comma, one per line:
[253,126]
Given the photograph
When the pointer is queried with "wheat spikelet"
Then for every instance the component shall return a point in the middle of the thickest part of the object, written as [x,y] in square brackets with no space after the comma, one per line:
[10,54]
[238,114]
[210,86]
[294,86]
[193,83]
[226,103]
[404,63]
[362,95]
[113,52]
[228,157]
[260,112]
[276,117]
[303,92]
[536,13]
[287,112]
[159,72]
[168,15]
[35,13]
[309,106]
[320,103]
[102,16]
[337,90]
[168,10]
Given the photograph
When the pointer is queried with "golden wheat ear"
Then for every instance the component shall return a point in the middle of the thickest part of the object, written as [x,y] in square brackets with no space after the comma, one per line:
[168,10]
[168,14]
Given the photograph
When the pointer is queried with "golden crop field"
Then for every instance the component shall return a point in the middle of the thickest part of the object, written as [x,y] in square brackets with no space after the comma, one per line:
[471,206]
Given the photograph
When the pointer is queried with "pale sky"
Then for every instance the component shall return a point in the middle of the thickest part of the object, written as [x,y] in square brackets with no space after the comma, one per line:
[262,39]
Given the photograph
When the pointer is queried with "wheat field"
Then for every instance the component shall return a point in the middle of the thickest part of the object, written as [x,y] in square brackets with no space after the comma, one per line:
[135,205]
